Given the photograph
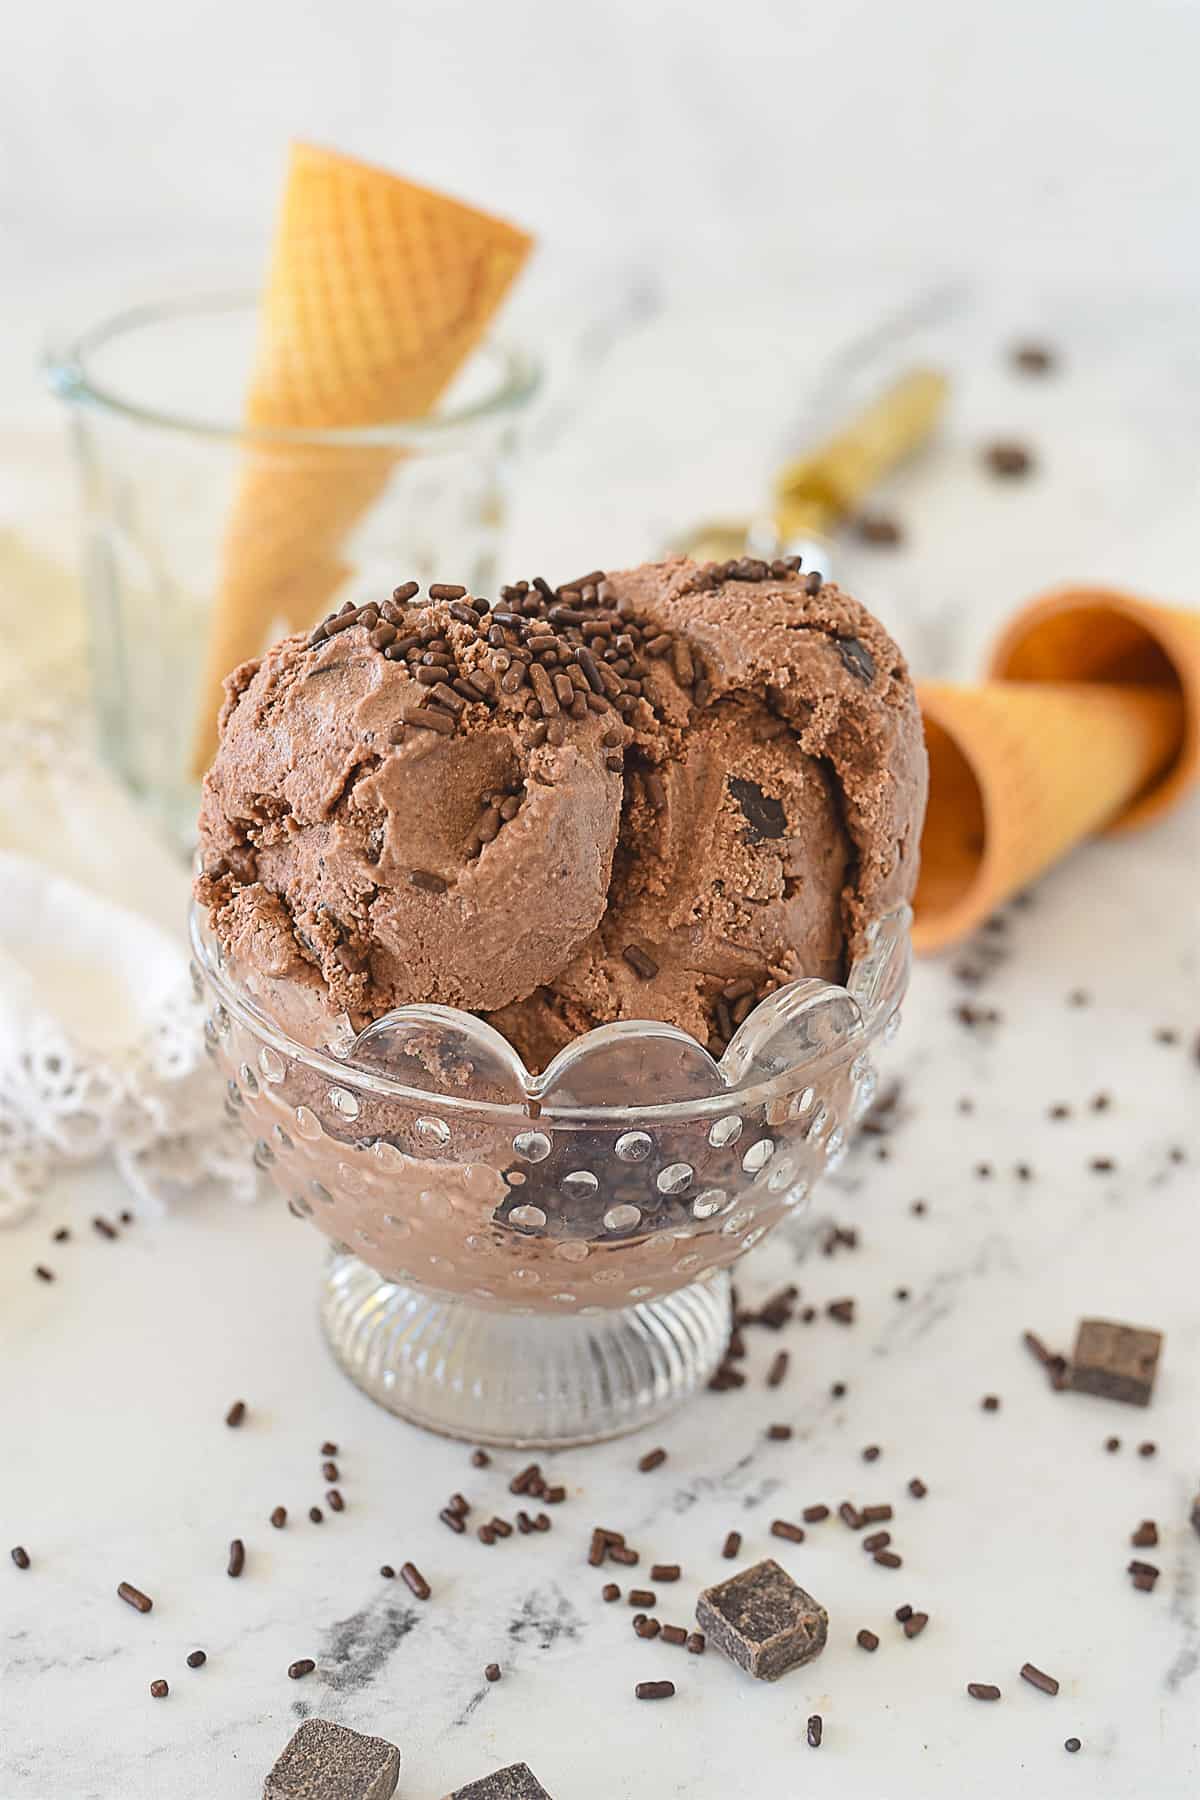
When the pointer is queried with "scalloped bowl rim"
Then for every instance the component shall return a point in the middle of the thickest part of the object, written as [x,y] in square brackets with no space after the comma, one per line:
[866,1027]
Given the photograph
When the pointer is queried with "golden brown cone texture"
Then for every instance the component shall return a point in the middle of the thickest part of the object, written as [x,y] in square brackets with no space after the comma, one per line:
[1082,634]
[1019,773]
[378,291]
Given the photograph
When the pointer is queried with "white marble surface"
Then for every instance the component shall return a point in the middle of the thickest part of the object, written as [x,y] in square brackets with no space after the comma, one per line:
[114,1381]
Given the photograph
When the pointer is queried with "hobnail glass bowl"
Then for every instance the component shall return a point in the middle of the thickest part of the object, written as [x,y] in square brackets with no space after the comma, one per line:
[523,1260]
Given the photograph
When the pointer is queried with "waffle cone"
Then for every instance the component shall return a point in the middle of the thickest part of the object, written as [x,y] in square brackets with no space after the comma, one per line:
[1100,634]
[378,291]
[1020,772]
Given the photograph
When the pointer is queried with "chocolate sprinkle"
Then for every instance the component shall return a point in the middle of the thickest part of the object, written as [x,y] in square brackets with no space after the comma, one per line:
[815,1729]
[20,1556]
[196,1659]
[1038,1678]
[414,1580]
[983,1690]
[655,1690]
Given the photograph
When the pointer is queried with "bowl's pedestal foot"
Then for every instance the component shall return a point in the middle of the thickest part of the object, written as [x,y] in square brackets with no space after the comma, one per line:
[521,1379]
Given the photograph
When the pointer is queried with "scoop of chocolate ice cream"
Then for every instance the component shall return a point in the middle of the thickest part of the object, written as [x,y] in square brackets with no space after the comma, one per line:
[385,837]
[654,794]
[773,804]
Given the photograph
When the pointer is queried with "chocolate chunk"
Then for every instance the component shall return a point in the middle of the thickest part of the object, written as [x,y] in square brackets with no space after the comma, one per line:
[763,1621]
[856,657]
[1117,1362]
[516,1782]
[329,1762]
[764,815]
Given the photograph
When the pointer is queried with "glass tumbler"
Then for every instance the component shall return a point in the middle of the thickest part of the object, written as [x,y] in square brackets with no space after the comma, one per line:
[523,1260]
[154,396]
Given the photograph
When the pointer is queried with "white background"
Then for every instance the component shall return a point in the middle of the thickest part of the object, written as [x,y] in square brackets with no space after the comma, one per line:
[1057,134]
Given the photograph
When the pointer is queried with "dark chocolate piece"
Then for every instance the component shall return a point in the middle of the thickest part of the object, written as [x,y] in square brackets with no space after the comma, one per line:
[1118,1362]
[516,1782]
[856,658]
[763,813]
[329,1762]
[763,1621]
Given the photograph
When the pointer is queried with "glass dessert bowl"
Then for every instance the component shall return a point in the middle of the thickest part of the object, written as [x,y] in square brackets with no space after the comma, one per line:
[543,1260]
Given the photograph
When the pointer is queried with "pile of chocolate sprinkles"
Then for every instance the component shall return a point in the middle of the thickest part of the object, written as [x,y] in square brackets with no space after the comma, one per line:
[554,653]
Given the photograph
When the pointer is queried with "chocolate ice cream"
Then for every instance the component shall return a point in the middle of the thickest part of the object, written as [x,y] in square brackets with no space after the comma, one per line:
[653,794]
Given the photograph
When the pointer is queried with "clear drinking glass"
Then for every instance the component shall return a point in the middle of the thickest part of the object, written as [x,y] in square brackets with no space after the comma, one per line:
[544,1260]
[154,397]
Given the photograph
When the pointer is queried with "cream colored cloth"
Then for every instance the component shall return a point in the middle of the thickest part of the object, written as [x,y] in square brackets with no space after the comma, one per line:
[101,1042]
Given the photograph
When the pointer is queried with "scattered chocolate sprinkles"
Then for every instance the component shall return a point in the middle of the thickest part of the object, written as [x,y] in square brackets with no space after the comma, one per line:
[815,1729]
[237,1557]
[134,1597]
[279,1517]
[20,1556]
[315,1514]
[731,1546]
[236,1414]
[1038,1678]
[783,1528]
[983,1690]
[664,1572]
[915,1624]
[610,1591]
[867,1640]
[674,1634]
[1146,1535]
[159,1689]
[812,1515]
[43,1273]
[1072,1744]
[653,1459]
[304,1666]
[196,1659]
[492,1672]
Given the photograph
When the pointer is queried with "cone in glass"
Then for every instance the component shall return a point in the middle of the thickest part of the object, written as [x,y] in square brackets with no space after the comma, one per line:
[378,291]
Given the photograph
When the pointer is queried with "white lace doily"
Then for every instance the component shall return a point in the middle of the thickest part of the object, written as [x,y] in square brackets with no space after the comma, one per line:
[101,1039]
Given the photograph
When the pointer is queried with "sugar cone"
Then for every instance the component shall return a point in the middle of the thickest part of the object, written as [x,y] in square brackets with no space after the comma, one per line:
[1099,634]
[1020,771]
[377,293]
